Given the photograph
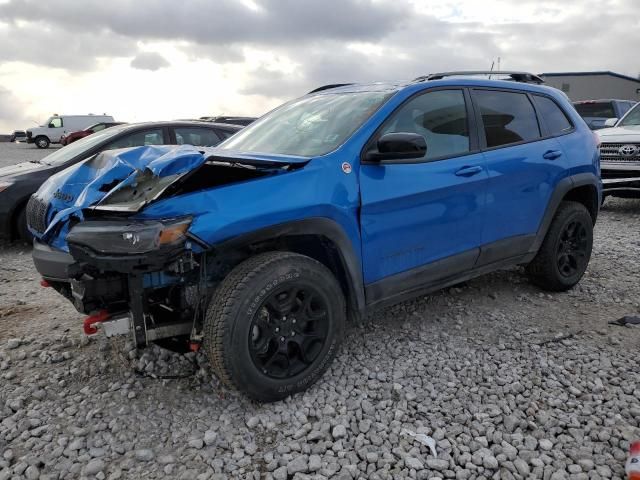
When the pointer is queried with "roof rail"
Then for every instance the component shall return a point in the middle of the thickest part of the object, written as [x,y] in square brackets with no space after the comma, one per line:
[327,87]
[523,77]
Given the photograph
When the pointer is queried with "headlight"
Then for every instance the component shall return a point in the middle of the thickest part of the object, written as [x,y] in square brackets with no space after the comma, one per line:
[129,237]
[5,185]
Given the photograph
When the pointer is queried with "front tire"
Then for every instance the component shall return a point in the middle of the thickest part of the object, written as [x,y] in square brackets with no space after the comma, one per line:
[42,142]
[565,252]
[22,231]
[274,325]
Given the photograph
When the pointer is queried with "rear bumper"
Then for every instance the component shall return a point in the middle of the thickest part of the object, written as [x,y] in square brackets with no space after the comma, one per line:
[51,263]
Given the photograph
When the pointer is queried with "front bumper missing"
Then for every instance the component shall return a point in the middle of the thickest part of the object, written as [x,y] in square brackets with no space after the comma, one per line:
[124,281]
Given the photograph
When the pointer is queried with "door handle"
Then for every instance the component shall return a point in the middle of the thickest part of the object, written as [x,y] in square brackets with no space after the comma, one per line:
[552,154]
[468,171]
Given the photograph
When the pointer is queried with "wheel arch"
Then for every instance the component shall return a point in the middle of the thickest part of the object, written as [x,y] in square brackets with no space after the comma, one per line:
[582,188]
[319,238]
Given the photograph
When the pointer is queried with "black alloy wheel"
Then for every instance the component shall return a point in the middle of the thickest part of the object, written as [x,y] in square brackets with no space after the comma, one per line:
[573,248]
[288,333]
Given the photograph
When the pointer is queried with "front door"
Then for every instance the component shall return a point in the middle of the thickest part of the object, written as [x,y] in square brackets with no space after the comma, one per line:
[422,221]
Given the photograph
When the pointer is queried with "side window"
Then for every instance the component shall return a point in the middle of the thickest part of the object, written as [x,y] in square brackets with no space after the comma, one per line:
[440,117]
[554,118]
[200,137]
[97,128]
[55,122]
[508,117]
[224,134]
[137,139]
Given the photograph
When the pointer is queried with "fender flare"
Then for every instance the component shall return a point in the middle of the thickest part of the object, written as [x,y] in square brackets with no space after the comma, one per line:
[320,226]
[563,187]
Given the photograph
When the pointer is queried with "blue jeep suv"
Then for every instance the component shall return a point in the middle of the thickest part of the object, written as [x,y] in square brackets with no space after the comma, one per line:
[350,198]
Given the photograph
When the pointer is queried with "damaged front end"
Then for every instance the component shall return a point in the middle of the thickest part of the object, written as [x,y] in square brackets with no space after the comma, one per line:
[96,244]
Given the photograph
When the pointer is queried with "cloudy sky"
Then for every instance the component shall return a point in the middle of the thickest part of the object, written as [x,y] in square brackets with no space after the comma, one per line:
[164,59]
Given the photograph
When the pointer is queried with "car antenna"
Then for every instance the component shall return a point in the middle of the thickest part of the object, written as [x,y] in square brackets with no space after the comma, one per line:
[491,69]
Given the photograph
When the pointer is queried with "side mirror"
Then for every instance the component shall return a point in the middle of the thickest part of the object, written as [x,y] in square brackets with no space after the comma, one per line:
[610,122]
[399,146]
[51,125]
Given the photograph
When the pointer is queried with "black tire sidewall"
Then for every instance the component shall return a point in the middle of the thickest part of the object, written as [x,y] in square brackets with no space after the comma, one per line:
[245,373]
[584,217]
[22,232]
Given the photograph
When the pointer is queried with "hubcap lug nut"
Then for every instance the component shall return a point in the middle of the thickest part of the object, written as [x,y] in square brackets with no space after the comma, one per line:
[277,329]
[293,334]
[282,339]
[293,320]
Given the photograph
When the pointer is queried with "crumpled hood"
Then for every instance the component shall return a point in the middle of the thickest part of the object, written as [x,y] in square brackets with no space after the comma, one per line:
[620,134]
[88,183]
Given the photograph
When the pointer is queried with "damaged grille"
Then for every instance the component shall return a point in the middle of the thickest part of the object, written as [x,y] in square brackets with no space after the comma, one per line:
[620,152]
[37,214]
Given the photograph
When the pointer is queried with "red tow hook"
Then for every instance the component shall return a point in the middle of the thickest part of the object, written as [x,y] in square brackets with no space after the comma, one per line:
[44,283]
[91,320]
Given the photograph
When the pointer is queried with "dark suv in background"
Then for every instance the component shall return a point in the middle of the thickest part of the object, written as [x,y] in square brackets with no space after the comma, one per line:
[597,112]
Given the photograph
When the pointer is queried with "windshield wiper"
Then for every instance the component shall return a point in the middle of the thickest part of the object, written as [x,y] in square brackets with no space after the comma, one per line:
[35,161]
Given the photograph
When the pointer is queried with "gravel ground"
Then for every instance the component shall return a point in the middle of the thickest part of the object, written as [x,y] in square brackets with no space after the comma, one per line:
[11,153]
[510,382]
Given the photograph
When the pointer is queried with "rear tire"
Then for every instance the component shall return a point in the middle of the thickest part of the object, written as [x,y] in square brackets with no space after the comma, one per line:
[565,252]
[274,325]
[42,142]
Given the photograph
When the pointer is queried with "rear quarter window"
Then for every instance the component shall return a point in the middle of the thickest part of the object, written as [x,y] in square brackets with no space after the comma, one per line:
[552,115]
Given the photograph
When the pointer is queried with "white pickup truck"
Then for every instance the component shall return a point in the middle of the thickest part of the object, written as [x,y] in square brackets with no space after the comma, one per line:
[57,125]
[620,156]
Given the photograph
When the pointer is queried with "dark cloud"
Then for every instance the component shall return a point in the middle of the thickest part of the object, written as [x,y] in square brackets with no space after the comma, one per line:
[426,45]
[149,61]
[54,46]
[285,22]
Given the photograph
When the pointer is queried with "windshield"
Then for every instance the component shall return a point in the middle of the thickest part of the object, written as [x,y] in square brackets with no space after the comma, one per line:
[632,117]
[76,148]
[595,109]
[310,126]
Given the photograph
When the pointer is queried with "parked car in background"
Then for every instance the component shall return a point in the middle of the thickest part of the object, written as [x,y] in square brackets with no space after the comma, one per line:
[59,125]
[602,113]
[244,121]
[18,136]
[339,202]
[620,156]
[18,182]
[66,139]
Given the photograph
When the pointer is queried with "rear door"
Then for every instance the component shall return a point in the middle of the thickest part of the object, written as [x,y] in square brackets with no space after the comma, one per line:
[421,220]
[524,163]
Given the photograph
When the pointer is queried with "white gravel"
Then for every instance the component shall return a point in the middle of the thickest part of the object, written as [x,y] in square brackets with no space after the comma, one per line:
[509,381]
